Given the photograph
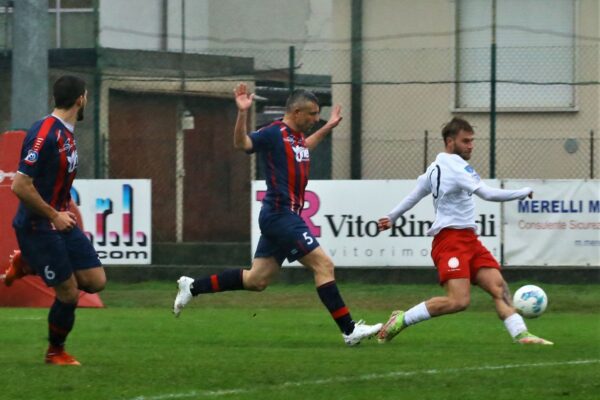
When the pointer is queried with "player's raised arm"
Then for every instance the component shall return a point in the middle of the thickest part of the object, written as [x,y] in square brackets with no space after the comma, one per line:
[336,116]
[243,100]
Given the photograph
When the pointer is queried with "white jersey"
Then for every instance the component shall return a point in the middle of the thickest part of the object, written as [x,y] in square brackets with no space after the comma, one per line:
[452,181]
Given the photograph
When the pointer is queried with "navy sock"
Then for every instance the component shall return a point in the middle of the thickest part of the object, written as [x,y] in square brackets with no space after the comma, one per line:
[60,322]
[330,296]
[230,279]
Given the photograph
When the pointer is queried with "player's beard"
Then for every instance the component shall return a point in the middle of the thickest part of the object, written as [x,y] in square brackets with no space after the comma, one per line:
[80,114]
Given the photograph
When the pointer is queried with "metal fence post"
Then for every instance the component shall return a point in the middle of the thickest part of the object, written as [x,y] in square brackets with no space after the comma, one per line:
[425,151]
[592,154]
[291,67]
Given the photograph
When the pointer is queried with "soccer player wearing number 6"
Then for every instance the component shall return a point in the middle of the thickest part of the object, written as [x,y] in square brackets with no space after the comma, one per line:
[284,153]
[51,243]
[459,256]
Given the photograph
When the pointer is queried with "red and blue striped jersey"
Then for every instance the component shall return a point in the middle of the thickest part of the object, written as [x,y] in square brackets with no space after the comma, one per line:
[49,156]
[286,163]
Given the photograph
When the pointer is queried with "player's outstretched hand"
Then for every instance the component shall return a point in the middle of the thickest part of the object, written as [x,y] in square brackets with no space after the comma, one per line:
[336,116]
[64,221]
[243,99]
[530,195]
[384,223]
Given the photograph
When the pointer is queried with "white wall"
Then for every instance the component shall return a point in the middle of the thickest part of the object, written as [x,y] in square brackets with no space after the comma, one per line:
[261,29]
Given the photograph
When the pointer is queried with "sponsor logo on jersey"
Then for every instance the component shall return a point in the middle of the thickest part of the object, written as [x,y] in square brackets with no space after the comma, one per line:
[73,161]
[302,153]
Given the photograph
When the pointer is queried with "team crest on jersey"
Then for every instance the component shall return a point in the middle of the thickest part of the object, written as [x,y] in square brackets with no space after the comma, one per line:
[474,174]
[31,157]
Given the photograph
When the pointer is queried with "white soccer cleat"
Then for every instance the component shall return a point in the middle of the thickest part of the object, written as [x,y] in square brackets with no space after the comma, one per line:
[184,295]
[360,332]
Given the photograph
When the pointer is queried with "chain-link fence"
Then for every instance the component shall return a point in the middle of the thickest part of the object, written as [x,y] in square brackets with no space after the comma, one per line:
[161,104]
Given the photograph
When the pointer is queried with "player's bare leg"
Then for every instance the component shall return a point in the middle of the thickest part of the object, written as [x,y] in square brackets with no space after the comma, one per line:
[91,280]
[491,280]
[458,297]
[322,267]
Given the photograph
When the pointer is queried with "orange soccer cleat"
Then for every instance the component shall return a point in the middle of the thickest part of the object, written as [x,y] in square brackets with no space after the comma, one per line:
[17,268]
[58,356]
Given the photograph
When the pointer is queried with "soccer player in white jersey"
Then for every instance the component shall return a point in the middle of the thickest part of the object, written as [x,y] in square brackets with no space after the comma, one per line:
[459,256]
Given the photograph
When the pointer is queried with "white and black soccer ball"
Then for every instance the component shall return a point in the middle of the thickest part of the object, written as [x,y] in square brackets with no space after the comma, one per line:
[530,301]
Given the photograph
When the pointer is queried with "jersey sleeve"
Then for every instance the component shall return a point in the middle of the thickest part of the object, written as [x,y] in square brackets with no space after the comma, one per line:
[35,151]
[262,140]
[492,194]
[422,189]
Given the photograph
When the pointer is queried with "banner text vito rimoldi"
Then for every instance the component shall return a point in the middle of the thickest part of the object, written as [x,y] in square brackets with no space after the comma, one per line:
[343,216]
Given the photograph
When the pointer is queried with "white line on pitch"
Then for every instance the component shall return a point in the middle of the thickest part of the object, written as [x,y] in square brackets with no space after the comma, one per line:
[368,377]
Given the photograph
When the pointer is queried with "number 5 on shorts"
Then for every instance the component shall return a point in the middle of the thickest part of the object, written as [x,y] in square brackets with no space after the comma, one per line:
[309,239]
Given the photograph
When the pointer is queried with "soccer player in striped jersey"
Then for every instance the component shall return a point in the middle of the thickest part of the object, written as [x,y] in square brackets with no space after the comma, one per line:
[285,154]
[459,256]
[51,243]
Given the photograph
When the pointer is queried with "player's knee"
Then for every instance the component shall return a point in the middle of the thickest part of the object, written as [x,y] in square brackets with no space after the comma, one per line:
[325,268]
[461,304]
[257,285]
[94,287]
[68,296]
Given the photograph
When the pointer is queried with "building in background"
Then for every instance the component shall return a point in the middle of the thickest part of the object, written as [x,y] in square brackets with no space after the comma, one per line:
[161,73]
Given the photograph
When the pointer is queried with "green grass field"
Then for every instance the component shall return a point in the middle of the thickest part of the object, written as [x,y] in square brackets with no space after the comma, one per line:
[281,344]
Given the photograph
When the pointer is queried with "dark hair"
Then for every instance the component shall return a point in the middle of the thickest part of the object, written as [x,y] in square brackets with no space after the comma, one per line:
[300,96]
[67,90]
[456,125]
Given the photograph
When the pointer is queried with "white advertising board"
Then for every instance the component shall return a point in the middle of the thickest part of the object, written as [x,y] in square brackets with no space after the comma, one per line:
[560,225]
[343,214]
[116,217]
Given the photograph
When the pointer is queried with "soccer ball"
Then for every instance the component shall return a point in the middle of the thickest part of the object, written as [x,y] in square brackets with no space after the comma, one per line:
[530,301]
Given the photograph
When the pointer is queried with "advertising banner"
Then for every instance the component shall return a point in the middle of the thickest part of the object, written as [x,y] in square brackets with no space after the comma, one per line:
[117,218]
[560,225]
[343,214]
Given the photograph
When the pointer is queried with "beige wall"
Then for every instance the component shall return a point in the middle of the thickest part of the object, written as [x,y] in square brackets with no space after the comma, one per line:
[414,41]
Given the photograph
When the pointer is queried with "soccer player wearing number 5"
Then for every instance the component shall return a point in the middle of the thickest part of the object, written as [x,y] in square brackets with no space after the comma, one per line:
[284,153]
[459,256]
[49,239]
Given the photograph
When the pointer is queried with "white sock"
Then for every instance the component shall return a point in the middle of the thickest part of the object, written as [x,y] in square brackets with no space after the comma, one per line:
[515,325]
[416,314]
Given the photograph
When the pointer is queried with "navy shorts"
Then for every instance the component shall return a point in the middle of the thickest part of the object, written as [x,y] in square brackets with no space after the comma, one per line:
[284,235]
[55,255]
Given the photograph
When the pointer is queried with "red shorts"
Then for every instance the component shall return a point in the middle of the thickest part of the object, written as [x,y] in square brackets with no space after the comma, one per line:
[458,253]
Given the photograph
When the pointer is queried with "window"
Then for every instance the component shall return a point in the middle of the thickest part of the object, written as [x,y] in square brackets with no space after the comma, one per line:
[71,24]
[535,44]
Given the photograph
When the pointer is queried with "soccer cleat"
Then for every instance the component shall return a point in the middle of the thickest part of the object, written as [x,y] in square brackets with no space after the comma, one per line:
[392,327]
[528,338]
[184,295]
[58,356]
[17,268]
[360,332]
